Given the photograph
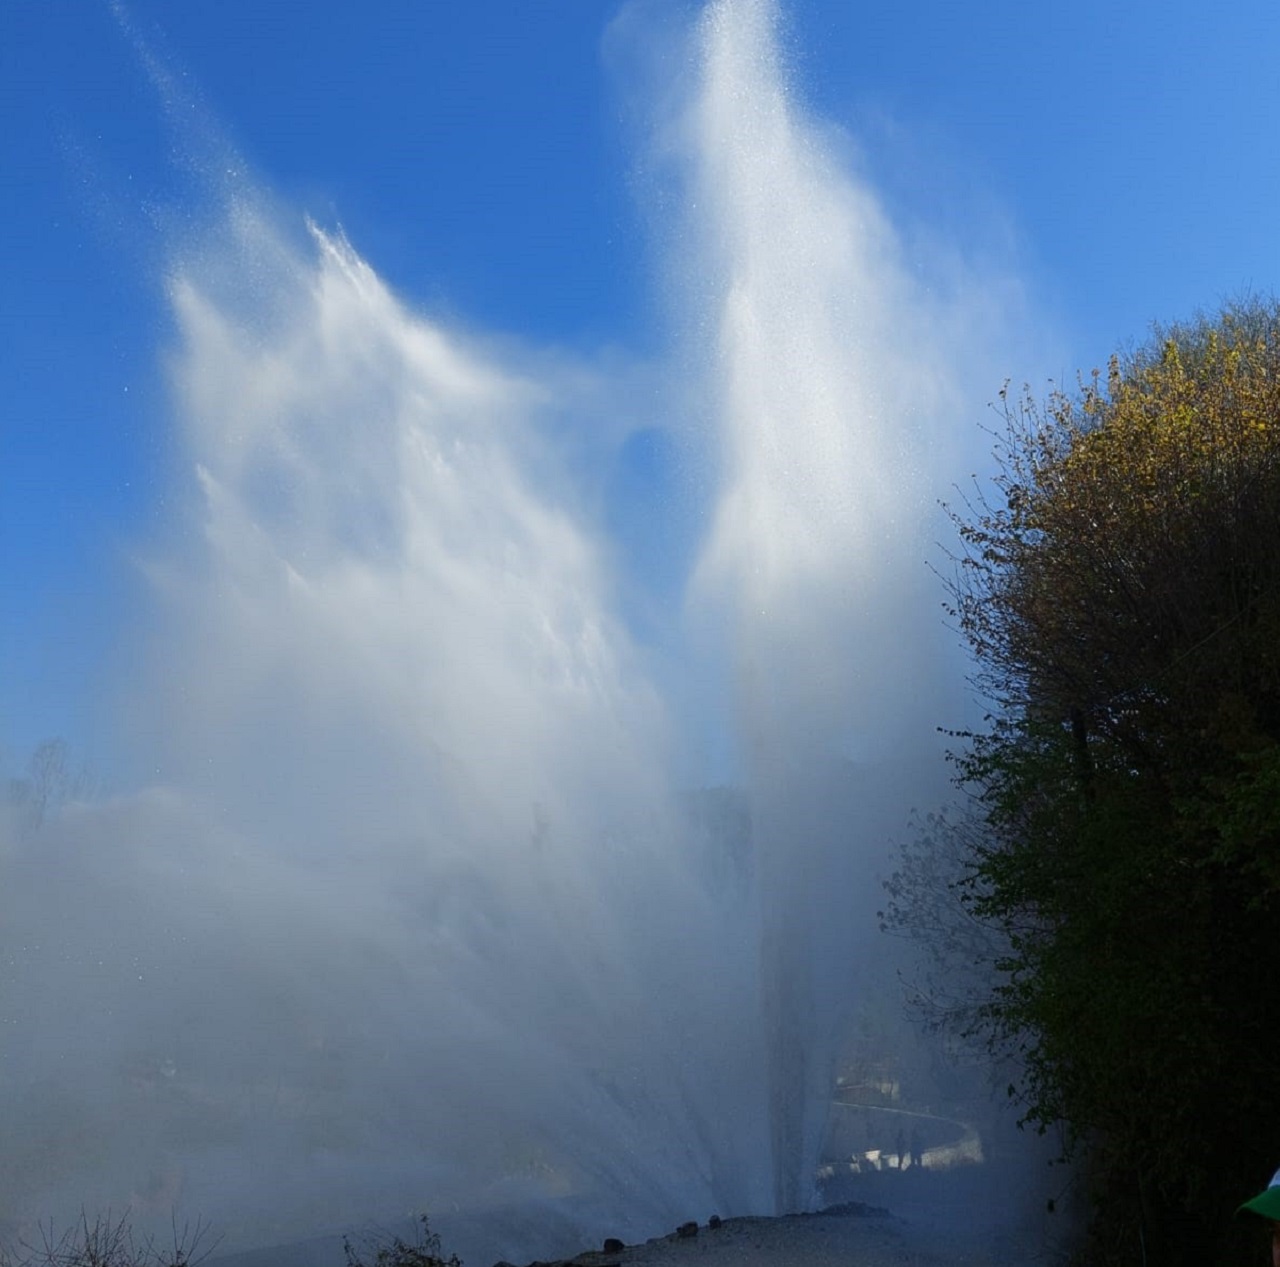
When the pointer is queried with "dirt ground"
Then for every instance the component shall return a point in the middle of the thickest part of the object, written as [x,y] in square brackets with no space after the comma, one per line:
[971,1216]
[923,1220]
[830,1239]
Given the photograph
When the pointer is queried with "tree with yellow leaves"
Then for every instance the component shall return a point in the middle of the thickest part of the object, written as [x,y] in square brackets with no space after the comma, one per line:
[1121,595]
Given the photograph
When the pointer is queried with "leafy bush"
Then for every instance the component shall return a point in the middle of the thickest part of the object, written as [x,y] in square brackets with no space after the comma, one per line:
[378,1249]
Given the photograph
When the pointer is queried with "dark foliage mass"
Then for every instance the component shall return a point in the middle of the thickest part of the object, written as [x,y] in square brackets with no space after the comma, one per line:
[1121,856]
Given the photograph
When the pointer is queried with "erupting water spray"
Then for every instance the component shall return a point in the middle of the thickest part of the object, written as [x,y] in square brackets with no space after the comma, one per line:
[419,908]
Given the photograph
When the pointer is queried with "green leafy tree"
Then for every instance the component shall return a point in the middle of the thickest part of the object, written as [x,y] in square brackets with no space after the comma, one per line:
[1121,595]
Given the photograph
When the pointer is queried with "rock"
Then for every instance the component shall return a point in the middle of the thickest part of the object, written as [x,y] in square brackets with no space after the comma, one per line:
[714,1221]
[686,1230]
[612,1245]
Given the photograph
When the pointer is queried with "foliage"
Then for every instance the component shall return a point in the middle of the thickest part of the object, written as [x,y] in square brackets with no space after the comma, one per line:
[926,902]
[1132,574]
[381,1250]
[110,1242]
[1122,599]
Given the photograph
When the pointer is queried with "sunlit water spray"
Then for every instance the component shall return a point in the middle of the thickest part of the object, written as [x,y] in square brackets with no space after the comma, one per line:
[420,909]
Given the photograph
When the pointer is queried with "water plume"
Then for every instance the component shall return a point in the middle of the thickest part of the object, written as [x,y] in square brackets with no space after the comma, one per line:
[832,396]
[418,906]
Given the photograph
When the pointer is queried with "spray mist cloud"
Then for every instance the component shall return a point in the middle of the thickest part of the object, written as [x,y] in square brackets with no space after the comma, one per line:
[420,906]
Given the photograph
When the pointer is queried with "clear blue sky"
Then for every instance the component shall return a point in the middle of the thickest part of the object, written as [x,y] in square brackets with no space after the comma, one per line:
[477,155]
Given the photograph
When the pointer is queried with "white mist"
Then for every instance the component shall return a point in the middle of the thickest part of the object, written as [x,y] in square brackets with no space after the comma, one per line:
[418,910]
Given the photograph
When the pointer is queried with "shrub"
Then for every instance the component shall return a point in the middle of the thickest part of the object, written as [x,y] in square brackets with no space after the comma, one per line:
[378,1249]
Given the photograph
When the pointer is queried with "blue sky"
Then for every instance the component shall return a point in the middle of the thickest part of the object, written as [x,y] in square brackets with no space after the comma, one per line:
[398,578]
[1122,159]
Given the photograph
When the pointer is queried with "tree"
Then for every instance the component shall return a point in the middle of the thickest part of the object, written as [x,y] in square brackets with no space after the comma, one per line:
[1121,595]
[949,982]
[50,783]
[1130,581]
[110,1241]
